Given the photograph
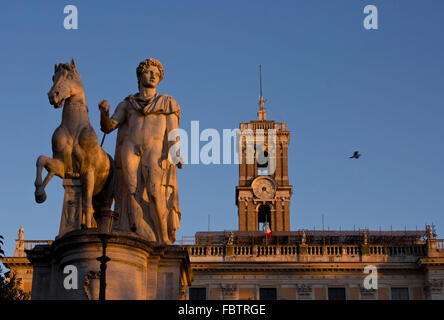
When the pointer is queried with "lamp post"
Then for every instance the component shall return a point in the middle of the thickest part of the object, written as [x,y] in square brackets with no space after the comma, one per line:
[105,219]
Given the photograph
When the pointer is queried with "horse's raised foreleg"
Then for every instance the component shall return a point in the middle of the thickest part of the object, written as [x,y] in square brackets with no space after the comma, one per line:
[54,167]
[87,195]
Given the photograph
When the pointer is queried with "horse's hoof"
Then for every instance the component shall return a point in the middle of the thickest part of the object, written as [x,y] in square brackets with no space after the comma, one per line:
[40,197]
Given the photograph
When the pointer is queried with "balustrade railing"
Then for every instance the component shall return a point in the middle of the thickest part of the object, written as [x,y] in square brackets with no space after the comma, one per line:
[376,250]
[438,244]
[30,244]
[289,250]
[243,251]
[414,250]
[310,250]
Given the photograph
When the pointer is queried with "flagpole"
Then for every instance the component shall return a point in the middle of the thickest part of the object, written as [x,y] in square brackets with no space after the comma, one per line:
[264,230]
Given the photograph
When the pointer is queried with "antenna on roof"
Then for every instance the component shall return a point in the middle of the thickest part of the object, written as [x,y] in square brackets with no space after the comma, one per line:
[323,231]
[262,114]
[260,79]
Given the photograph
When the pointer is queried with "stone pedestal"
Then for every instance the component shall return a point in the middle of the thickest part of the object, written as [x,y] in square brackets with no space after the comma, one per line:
[72,206]
[138,270]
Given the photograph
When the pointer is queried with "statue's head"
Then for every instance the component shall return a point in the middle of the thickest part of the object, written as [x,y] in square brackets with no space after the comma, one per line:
[66,83]
[149,73]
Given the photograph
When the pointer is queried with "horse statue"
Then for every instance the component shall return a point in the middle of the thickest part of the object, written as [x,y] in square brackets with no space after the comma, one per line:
[76,150]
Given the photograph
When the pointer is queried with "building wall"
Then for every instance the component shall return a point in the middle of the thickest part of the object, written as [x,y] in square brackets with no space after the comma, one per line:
[308,274]
[314,286]
[231,273]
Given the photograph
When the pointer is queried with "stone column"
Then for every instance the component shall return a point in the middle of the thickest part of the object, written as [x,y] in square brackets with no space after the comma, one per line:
[251,217]
[285,179]
[286,215]
[243,164]
[279,205]
[278,176]
[242,214]
[274,217]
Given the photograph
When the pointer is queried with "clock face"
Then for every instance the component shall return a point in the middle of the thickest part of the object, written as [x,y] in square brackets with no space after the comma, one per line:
[264,188]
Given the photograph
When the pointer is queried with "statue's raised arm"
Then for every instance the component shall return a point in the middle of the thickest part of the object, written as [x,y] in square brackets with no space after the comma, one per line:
[108,124]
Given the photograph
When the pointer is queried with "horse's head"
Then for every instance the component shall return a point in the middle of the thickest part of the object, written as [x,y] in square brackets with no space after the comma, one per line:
[66,83]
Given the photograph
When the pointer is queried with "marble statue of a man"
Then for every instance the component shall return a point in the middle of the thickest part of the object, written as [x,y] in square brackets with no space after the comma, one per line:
[145,191]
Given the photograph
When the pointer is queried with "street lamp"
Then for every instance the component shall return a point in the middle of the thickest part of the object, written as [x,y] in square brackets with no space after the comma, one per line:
[105,219]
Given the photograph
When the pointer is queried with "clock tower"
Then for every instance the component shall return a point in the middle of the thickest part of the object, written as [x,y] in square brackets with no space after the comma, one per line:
[263,193]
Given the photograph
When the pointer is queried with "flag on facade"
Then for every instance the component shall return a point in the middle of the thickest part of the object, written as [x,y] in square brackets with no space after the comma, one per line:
[267,230]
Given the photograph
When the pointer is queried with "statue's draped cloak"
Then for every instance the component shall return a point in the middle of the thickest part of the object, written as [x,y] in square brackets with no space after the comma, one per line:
[159,104]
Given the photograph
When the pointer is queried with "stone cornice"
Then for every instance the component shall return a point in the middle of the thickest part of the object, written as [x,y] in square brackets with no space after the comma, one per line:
[297,267]
[15,261]
[431,262]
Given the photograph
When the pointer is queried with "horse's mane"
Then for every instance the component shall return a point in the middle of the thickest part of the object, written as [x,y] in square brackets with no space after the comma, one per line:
[67,66]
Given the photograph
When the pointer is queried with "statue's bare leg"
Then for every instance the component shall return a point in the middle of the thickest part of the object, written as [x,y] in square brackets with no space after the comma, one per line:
[130,165]
[154,188]
[54,167]
[87,194]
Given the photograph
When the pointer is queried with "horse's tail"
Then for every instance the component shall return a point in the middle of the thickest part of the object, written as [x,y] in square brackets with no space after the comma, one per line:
[112,170]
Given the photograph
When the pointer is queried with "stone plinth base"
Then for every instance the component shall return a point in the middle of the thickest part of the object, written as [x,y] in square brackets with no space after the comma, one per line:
[72,206]
[138,270]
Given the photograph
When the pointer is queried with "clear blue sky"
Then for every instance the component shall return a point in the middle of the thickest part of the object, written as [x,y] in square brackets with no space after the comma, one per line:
[339,87]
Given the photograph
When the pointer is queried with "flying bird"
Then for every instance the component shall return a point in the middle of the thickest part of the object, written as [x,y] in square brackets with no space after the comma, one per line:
[355,155]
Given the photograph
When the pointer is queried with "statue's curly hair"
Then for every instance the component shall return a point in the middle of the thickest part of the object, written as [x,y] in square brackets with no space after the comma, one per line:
[145,64]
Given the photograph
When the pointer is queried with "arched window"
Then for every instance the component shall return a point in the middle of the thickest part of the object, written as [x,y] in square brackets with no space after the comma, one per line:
[264,215]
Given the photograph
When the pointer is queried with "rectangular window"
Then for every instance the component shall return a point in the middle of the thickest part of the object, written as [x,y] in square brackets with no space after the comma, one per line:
[400,293]
[267,294]
[197,294]
[336,293]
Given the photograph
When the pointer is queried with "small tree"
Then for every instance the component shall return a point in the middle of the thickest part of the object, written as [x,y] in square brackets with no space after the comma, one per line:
[10,286]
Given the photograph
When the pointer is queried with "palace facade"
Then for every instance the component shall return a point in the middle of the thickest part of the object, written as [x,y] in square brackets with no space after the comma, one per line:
[304,264]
